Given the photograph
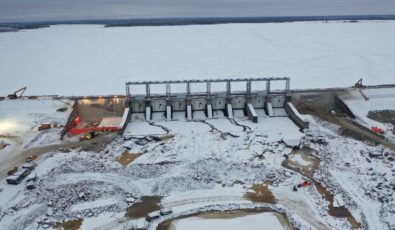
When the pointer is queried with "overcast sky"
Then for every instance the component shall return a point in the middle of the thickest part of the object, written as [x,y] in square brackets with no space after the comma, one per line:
[38,10]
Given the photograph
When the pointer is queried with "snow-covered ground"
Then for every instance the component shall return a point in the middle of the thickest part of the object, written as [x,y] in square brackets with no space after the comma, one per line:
[350,169]
[203,164]
[22,116]
[376,100]
[91,59]
[196,167]
[19,122]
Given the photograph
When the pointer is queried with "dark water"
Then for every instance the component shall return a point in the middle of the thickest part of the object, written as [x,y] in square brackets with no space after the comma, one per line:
[146,205]
[169,225]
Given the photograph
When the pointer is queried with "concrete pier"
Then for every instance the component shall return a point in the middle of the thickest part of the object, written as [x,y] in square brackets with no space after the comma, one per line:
[209,111]
[295,116]
[269,108]
[189,112]
[168,113]
[251,113]
[148,113]
[229,111]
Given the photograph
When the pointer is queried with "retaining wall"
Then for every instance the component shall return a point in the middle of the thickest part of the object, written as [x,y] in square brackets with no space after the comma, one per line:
[295,116]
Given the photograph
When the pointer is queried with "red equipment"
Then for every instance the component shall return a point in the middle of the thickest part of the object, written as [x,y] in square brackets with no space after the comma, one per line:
[378,130]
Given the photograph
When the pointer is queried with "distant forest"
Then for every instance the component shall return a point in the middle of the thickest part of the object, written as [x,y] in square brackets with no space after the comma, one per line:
[15,26]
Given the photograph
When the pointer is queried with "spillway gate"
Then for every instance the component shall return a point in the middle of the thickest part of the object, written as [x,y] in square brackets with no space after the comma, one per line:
[207,95]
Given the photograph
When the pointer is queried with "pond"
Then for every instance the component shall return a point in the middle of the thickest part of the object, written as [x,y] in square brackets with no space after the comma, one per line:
[241,219]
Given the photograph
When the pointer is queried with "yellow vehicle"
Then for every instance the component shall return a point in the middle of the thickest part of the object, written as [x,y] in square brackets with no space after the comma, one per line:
[89,136]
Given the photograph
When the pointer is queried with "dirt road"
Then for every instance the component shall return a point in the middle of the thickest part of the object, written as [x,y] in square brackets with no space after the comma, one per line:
[19,155]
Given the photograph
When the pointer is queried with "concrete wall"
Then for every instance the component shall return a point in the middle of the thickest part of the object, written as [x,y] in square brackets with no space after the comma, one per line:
[324,99]
[343,107]
[70,122]
[278,101]
[93,110]
[125,120]
[296,116]
[199,102]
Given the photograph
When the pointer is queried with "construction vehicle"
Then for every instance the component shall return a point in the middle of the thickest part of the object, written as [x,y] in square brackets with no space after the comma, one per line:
[15,94]
[305,183]
[89,136]
[378,130]
[358,84]
[31,158]
[44,126]
[18,176]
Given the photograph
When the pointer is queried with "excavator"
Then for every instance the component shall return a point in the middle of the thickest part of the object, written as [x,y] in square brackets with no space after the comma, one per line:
[15,96]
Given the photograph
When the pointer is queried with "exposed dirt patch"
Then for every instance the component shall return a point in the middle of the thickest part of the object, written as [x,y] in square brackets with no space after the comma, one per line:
[341,212]
[69,224]
[166,137]
[7,136]
[126,157]
[383,116]
[20,155]
[355,135]
[356,130]
[239,182]
[302,161]
[2,146]
[261,193]
[307,170]
[146,205]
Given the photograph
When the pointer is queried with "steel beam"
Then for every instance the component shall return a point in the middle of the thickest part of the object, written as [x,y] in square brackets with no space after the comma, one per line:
[228,89]
[208,89]
[208,93]
[207,80]
[147,92]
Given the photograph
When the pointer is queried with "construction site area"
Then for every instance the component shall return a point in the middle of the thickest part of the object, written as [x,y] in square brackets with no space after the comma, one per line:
[200,154]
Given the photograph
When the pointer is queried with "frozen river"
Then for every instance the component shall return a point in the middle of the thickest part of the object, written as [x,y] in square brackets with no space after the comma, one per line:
[91,59]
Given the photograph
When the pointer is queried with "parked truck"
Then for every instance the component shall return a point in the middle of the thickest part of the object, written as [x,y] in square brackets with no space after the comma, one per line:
[17,177]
